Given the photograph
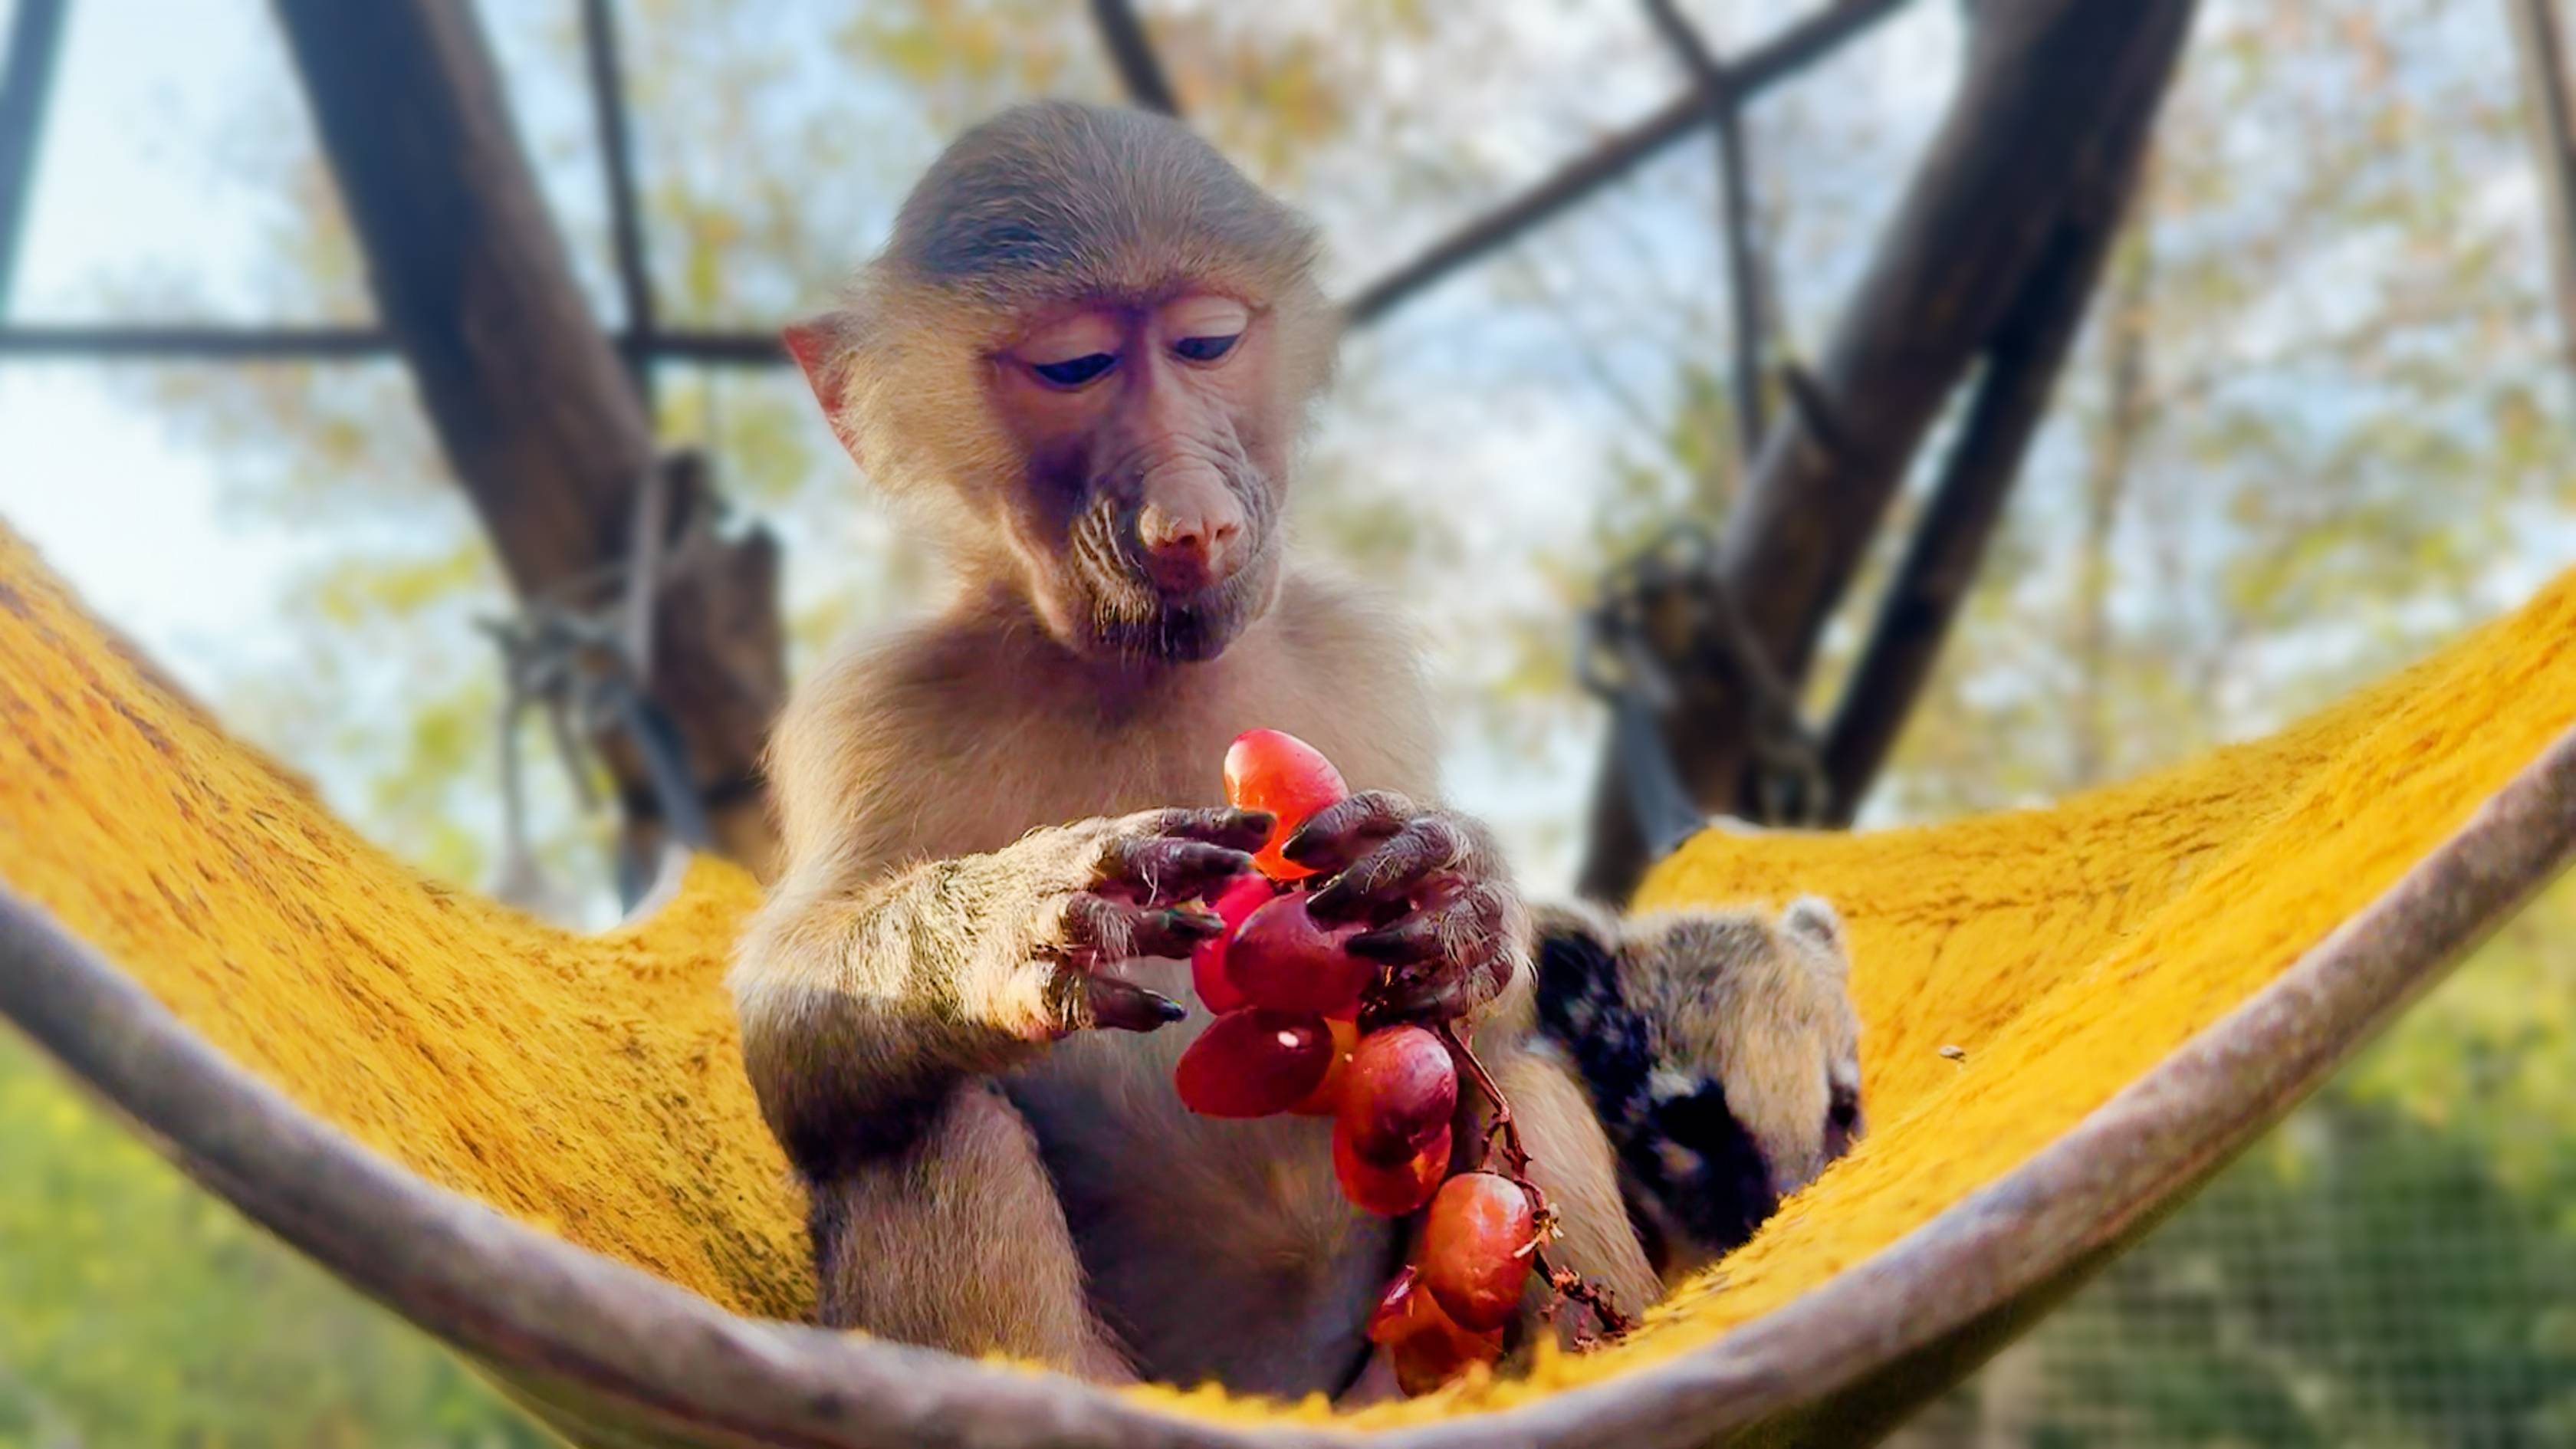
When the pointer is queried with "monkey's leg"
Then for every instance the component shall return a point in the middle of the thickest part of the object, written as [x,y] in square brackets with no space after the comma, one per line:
[956,1241]
[1573,1164]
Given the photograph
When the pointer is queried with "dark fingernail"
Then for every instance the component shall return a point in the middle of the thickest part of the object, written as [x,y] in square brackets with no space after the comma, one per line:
[1378,946]
[1126,1006]
[1336,903]
[1191,921]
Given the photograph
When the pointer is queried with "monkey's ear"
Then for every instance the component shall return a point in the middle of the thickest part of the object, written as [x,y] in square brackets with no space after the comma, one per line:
[816,344]
[1814,917]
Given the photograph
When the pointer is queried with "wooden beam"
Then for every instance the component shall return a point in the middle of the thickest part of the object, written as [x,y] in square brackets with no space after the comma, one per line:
[1766,65]
[2050,91]
[2022,365]
[1744,285]
[1757,70]
[26,82]
[529,400]
[1131,50]
[2540,40]
[220,342]
[617,168]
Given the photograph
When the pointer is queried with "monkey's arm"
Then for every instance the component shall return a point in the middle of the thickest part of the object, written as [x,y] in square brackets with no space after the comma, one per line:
[872,1017]
[863,1003]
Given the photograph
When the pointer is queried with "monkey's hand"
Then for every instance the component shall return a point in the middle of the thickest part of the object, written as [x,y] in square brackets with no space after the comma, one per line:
[1115,890]
[1441,908]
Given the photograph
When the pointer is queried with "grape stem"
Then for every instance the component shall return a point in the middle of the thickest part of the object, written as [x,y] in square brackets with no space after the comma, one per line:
[1503,1135]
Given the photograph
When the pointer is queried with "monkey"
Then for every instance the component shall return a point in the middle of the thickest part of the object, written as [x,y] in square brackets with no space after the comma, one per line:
[1720,1051]
[1081,369]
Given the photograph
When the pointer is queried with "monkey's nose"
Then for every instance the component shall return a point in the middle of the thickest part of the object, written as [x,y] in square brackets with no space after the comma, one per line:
[1186,552]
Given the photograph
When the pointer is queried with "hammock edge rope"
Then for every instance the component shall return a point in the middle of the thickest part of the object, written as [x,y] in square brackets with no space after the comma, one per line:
[665,1362]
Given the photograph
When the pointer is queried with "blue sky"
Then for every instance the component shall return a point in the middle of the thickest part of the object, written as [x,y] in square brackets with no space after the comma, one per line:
[85,470]
[138,199]
[135,201]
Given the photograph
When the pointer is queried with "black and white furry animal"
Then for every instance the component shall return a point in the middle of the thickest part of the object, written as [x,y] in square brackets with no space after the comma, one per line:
[1722,1053]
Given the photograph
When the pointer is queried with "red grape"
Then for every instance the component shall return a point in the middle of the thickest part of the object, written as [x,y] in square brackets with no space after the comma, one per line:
[1241,897]
[1253,1063]
[1392,1319]
[1390,1191]
[1327,1095]
[1278,772]
[1281,958]
[1403,1089]
[1477,1244]
[1426,1347]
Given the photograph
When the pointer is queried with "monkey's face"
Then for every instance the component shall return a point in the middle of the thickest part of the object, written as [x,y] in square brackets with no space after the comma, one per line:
[1155,442]
[1082,360]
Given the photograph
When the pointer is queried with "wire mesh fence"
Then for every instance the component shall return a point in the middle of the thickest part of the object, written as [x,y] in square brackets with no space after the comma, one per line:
[2395,1265]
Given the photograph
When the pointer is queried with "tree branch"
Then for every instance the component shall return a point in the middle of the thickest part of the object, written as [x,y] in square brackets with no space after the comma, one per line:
[2051,90]
[220,342]
[1758,70]
[1735,188]
[531,404]
[1131,50]
[2541,43]
[617,151]
[2028,353]
[26,80]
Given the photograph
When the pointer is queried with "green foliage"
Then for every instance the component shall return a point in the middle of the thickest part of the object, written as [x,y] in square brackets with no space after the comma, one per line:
[142,1313]
[2349,441]
[2393,1267]
[2316,480]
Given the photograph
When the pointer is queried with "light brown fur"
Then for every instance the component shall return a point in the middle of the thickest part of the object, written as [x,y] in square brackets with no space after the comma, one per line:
[988,1173]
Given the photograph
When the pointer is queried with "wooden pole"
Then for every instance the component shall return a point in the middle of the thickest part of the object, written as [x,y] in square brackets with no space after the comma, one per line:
[530,402]
[625,216]
[1744,287]
[26,80]
[2052,88]
[1757,70]
[2540,39]
[1940,563]
[219,342]
[1131,50]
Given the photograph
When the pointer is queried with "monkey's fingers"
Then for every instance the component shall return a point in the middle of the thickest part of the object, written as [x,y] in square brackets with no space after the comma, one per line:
[1159,869]
[1400,866]
[1125,1006]
[1092,928]
[1443,989]
[1343,831]
[1234,829]
[1459,920]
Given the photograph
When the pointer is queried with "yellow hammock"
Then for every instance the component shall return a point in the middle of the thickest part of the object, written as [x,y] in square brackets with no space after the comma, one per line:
[540,1147]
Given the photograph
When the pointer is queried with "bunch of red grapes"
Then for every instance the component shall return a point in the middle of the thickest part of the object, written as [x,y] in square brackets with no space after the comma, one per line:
[1289,1000]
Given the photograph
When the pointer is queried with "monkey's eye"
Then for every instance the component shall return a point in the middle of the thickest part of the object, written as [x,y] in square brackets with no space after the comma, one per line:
[1075,371]
[1203,326]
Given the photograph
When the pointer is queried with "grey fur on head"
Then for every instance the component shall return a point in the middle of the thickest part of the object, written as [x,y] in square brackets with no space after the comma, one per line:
[1058,196]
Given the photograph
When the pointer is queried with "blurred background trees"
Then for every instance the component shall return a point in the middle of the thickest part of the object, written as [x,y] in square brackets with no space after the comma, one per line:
[2317,421]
